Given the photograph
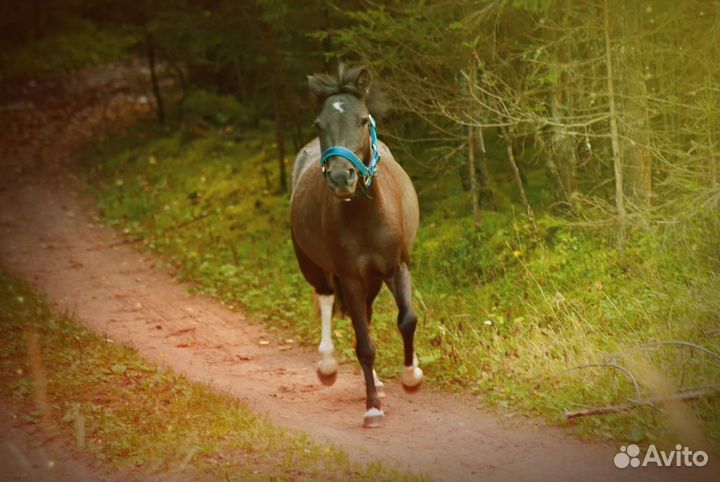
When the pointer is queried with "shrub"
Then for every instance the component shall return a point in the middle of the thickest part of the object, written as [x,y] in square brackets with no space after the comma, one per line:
[215,109]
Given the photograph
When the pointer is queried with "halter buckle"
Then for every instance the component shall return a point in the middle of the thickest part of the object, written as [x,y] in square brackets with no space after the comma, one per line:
[367,179]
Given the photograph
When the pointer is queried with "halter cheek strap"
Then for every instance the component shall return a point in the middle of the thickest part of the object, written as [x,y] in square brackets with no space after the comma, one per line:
[367,172]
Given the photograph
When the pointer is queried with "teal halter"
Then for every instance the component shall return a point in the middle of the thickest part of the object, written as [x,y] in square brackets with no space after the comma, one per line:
[367,172]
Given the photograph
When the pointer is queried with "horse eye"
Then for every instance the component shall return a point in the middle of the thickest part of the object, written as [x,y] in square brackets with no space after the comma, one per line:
[364,121]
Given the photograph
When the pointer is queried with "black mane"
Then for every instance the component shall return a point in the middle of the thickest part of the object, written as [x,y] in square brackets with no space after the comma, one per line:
[344,81]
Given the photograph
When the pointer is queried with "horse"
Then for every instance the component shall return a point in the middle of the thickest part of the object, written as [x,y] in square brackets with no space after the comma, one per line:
[354,215]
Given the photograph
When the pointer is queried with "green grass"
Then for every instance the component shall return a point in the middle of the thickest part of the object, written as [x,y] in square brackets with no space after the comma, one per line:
[504,312]
[135,418]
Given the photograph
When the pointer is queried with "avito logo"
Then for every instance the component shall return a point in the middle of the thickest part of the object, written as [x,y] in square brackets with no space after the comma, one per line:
[680,457]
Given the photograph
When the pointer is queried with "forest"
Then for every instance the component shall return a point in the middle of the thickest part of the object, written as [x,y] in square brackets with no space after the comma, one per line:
[566,155]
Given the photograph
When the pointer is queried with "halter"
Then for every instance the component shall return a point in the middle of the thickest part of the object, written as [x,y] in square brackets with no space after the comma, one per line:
[366,172]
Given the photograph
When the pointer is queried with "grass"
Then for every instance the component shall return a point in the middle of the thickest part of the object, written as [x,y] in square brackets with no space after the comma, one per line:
[135,418]
[505,313]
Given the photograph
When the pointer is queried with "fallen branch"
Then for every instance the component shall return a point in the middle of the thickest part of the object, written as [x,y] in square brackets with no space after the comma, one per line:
[691,394]
[615,366]
[125,241]
[687,344]
[187,222]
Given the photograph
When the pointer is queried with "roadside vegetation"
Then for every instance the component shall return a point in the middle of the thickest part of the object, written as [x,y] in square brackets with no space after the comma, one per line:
[136,419]
[506,312]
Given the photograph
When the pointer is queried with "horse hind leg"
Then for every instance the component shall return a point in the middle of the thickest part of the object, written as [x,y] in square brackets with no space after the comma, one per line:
[400,286]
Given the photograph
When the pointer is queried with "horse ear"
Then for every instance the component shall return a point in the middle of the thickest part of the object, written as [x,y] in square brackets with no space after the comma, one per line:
[315,87]
[363,81]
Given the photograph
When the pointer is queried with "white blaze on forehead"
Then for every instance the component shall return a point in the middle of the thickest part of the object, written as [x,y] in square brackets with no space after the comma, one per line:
[338,106]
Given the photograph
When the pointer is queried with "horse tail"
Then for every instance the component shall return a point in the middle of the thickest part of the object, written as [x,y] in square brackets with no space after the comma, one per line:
[339,307]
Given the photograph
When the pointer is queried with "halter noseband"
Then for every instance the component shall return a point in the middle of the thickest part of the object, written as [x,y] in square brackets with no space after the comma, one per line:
[367,172]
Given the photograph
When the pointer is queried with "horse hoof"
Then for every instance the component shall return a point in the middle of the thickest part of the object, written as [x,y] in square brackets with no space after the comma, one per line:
[412,378]
[327,380]
[412,390]
[373,418]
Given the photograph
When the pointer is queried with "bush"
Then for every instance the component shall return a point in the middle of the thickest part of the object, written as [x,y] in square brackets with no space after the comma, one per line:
[215,109]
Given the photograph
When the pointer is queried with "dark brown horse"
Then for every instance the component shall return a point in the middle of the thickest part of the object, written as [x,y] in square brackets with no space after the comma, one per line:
[353,226]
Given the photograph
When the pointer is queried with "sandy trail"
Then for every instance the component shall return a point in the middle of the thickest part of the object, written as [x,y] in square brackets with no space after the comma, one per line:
[49,235]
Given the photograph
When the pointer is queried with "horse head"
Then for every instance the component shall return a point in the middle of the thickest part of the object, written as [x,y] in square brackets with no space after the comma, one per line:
[346,128]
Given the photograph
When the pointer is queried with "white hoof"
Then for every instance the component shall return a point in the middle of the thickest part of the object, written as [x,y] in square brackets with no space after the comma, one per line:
[412,376]
[373,418]
[327,366]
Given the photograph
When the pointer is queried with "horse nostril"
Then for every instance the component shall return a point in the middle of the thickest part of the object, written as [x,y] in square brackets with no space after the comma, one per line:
[343,177]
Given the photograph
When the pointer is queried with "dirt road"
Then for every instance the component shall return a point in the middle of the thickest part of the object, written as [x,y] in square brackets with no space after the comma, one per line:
[50,235]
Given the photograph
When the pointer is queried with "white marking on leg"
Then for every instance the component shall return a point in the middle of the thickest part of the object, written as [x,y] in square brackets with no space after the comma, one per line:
[412,375]
[378,382]
[327,365]
[338,106]
[374,412]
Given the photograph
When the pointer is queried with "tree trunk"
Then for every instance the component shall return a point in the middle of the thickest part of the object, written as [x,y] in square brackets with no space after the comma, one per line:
[486,194]
[562,150]
[159,103]
[180,74]
[556,182]
[473,178]
[518,179]
[636,149]
[562,159]
[614,137]
[280,142]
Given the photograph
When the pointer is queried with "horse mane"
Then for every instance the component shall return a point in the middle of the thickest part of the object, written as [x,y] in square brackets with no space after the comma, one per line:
[345,81]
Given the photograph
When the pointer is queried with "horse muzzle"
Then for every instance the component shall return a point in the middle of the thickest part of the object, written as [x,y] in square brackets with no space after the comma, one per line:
[342,180]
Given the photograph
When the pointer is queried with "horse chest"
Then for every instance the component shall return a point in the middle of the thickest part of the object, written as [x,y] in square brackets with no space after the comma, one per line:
[359,245]
[370,243]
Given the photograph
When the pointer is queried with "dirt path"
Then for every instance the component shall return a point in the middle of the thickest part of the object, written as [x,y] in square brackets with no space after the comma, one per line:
[50,236]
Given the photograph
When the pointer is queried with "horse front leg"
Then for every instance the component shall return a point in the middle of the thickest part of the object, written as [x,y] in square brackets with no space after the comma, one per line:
[327,367]
[372,292]
[320,280]
[400,285]
[355,293]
